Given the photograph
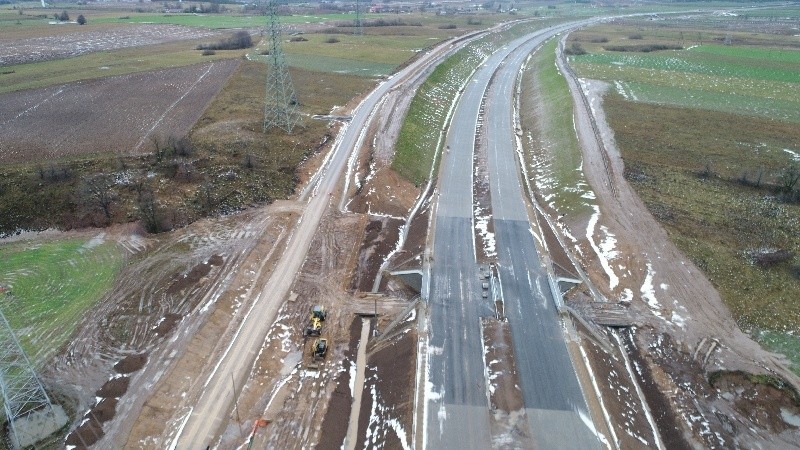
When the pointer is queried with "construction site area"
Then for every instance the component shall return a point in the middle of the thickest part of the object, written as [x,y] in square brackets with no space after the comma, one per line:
[317,279]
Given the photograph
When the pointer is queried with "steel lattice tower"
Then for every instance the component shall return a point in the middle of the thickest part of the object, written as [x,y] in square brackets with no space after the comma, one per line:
[23,393]
[280,109]
[358,28]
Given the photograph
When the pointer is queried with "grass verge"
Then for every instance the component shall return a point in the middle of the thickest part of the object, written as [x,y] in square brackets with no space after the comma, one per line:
[552,153]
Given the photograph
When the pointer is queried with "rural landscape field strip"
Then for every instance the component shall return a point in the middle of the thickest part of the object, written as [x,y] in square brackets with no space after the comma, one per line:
[57,46]
[756,81]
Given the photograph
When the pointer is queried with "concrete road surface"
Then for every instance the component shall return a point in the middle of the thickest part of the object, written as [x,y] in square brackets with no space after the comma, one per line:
[457,414]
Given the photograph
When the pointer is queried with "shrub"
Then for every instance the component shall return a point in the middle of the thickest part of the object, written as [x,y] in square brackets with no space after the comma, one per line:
[81,20]
[331,40]
[238,40]
[636,36]
[209,52]
[598,40]
[448,26]
[575,49]
[298,39]
[767,257]
[642,48]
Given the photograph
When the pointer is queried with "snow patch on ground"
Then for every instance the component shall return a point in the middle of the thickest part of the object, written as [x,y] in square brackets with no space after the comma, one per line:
[487,237]
[93,242]
[795,155]
[648,291]
[605,250]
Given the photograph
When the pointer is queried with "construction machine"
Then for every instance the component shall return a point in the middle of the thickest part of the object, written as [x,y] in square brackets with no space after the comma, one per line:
[314,328]
[319,349]
[318,312]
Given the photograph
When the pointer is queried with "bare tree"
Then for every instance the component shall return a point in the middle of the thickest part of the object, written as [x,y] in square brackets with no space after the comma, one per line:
[159,148]
[149,212]
[97,191]
[789,178]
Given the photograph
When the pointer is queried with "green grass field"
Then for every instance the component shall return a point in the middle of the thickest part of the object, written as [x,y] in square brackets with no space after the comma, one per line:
[752,81]
[548,112]
[52,285]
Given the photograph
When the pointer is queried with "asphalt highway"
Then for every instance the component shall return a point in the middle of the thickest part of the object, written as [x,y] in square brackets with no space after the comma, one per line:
[457,413]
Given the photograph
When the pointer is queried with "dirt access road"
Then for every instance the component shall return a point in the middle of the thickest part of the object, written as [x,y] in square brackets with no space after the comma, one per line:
[207,417]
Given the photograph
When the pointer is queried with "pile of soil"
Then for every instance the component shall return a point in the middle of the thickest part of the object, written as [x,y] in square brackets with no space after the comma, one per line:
[131,363]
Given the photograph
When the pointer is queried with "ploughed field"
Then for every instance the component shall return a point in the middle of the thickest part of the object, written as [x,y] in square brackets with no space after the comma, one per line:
[117,115]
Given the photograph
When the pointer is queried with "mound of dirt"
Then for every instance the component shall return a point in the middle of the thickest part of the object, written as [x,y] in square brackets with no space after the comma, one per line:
[85,435]
[334,425]
[131,363]
[114,388]
[105,410]
[166,325]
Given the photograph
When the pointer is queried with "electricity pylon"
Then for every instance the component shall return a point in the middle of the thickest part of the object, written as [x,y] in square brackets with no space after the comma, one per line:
[358,28]
[280,109]
[23,393]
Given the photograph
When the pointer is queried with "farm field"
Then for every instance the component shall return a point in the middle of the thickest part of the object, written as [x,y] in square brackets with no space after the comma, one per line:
[50,286]
[757,81]
[708,135]
[92,117]
[217,21]
[64,42]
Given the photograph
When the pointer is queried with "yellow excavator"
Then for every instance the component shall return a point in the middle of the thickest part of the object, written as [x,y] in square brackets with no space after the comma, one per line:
[319,349]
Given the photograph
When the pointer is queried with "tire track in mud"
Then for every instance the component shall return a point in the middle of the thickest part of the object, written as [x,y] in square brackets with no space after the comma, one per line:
[157,289]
